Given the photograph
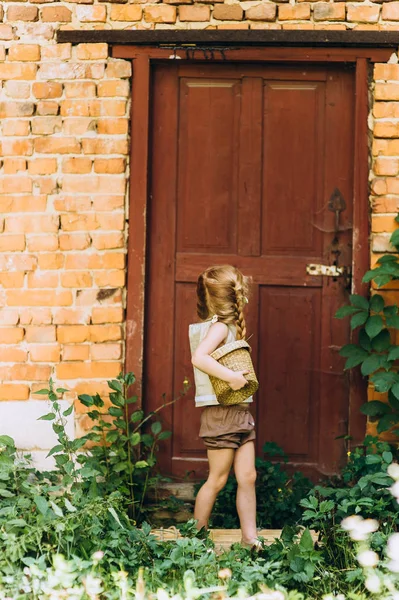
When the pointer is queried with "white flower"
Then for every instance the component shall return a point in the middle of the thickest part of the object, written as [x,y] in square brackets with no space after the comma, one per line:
[359,528]
[367,558]
[98,555]
[393,471]
[373,584]
[393,566]
[162,594]
[394,489]
[393,547]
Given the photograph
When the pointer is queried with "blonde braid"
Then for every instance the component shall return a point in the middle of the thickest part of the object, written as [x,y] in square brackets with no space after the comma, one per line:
[239,314]
[202,305]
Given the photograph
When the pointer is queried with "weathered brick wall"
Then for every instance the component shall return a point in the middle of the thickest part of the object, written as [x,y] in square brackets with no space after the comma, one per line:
[64,171]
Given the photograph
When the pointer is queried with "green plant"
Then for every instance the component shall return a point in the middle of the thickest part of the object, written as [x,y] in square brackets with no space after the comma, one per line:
[376,350]
[277,493]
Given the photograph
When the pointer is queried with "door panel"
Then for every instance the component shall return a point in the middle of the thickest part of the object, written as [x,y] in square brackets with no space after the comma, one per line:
[244,160]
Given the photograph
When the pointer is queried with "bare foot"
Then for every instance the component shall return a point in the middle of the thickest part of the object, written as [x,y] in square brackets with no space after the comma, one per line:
[252,544]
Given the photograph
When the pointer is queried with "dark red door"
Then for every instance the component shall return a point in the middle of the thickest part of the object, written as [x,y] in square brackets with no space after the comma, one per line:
[244,161]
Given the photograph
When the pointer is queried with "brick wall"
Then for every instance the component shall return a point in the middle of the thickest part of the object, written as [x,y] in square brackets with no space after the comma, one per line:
[64,170]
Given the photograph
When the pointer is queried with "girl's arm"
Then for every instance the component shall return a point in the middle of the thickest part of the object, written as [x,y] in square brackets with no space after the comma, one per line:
[202,360]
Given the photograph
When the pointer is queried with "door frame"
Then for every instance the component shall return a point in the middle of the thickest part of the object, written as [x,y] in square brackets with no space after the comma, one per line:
[142,58]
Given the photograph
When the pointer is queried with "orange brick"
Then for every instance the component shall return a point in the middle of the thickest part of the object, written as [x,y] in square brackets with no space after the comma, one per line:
[78,125]
[9,317]
[106,351]
[82,222]
[386,166]
[43,279]
[92,51]
[108,202]
[91,14]
[76,279]
[57,52]
[363,13]
[104,241]
[69,334]
[11,243]
[17,147]
[42,243]
[111,221]
[12,280]
[76,352]
[112,127]
[39,298]
[46,185]
[6,32]
[128,12]
[91,297]
[16,128]
[70,316]
[12,185]
[12,354]
[105,333]
[224,12]
[80,89]
[27,373]
[14,165]
[24,52]
[74,241]
[17,262]
[381,224]
[35,316]
[390,12]
[379,187]
[113,88]
[386,71]
[118,69]
[75,108]
[22,13]
[325,11]
[45,353]
[42,166]
[298,11]
[45,108]
[109,279]
[12,391]
[46,125]
[266,11]
[87,370]
[52,14]
[17,89]
[186,13]
[385,147]
[23,203]
[11,335]
[109,260]
[16,109]
[76,165]
[73,203]
[17,71]
[32,224]
[387,91]
[94,184]
[57,145]
[47,90]
[107,108]
[104,146]
[107,315]
[385,129]
[162,14]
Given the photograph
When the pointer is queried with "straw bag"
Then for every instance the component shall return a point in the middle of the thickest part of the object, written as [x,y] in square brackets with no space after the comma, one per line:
[235,356]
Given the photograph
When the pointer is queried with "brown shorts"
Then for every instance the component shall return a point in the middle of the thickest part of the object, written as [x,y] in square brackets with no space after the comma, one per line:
[226,426]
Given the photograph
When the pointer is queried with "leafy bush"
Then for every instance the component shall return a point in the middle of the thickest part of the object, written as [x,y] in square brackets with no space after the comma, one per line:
[277,493]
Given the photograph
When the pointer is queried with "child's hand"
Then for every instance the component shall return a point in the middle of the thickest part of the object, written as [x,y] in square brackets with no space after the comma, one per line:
[237,380]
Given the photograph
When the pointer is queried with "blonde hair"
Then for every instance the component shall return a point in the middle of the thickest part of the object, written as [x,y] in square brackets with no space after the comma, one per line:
[222,291]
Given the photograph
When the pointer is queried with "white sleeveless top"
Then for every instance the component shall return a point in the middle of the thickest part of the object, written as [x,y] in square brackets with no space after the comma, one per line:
[204,393]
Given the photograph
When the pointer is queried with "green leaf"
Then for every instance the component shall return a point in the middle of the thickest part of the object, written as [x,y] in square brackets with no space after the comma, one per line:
[364,340]
[384,381]
[114,514]
[156,428]
[306,541]
[164,435]
[112,436]
[387,457]
[61,391]
[359,301]
[394,353]
[381,280]
[147,439]
[131,400]
[391,311]
[374,325]
[115,411]
[56,509]
[393,401]
[393,322]
[86,400]
[372,459]
[68,411]
[375,408]
[120,466]
[395,390]
[368,276]
[141,464]
[41,504]
[115,385]
[138,415]
[371,364]
[346,311]
[69,506]
[135,438]
[359,319]
[47,417]
[58,448]
[382,341]
[386,422]
[394,239]
[377,303]
[42,392]
[6,493]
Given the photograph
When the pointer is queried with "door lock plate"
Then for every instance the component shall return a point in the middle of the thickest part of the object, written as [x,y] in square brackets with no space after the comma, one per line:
[326,270]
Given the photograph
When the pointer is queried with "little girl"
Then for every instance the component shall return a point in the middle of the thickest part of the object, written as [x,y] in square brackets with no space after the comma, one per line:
[228,432]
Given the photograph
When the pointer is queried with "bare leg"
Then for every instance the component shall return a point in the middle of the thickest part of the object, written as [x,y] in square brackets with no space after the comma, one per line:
[220,462]
[244,467]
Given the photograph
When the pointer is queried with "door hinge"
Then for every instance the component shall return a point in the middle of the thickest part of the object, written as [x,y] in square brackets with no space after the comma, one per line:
[327,270]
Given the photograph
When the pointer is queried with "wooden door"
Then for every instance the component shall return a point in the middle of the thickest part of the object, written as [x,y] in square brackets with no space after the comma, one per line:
[245,160]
